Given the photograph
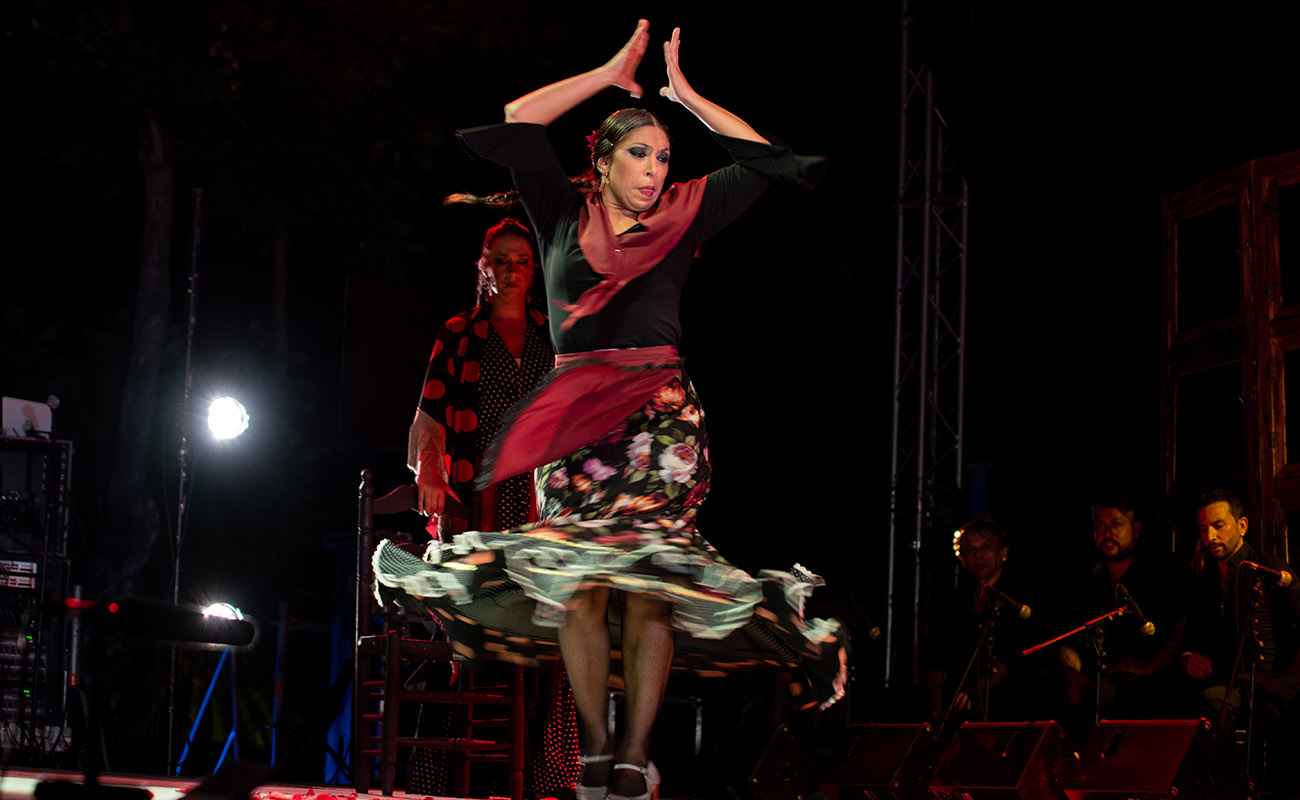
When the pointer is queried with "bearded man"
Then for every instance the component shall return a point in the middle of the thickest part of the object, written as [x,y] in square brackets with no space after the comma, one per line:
[1139,678]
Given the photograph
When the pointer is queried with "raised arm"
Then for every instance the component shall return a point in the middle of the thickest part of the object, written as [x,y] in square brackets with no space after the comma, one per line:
[549,103]
[714,116]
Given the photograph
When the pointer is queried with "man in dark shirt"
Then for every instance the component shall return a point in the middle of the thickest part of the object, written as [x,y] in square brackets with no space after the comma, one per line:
[1244,615]
[1138,651]
[996,686]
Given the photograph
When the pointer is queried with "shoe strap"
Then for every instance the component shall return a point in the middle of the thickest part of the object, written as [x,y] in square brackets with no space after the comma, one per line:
[599,759]
[645,771]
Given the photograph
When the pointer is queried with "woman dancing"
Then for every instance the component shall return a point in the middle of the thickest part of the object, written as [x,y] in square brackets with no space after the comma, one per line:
[616,432]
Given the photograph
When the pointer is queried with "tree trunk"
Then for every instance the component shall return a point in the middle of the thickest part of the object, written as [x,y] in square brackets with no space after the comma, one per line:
[134,520]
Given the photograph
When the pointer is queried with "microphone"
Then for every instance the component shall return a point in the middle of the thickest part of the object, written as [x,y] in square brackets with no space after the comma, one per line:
[873,630]
[1283,577]
[1023,611]
[1147,627]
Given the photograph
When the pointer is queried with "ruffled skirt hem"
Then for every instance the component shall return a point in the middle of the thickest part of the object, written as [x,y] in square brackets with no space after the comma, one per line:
[619,513]
[493,611]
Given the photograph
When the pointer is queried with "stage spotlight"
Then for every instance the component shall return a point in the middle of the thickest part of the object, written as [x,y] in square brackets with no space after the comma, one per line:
[146,619]
[223,611]
[227,418]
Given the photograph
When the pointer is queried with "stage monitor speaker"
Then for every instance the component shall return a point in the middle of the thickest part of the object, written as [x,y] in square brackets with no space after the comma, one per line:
[884,762]
[1158,758]
[785,770]
[1004,761]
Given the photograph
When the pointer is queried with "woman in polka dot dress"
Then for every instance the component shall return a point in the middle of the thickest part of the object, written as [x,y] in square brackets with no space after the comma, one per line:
[485,360]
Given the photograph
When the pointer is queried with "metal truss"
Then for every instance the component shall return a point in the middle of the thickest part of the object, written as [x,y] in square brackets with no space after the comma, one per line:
[929,346]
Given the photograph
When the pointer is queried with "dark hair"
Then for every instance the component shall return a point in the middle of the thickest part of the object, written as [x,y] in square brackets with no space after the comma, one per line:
[601,143]
[506,227]
[499,200]
[1118,502]
[617,127]
[1235,506]
[985,525]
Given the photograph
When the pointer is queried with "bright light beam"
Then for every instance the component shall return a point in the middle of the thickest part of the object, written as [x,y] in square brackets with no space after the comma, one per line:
[227,418]
[223,611]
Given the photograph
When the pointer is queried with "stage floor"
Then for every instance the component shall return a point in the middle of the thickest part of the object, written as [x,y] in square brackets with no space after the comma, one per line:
[20,784]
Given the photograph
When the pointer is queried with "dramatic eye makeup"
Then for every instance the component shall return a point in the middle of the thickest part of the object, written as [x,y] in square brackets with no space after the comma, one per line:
[641,151]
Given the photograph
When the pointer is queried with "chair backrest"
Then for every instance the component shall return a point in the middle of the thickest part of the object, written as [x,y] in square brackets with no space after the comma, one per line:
[365,546]
[406,498]
[403,498]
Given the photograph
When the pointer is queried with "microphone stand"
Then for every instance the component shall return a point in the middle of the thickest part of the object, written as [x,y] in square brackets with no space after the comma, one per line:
[983,644]
[182,488]
[1249,630]
[1097,626]
[985,677]
[1099,649]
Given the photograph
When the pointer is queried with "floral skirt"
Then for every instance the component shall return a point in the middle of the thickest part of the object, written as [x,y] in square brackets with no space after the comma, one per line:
[620,513]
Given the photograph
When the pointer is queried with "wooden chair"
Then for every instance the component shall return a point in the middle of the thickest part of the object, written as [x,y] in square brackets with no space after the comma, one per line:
[378,693]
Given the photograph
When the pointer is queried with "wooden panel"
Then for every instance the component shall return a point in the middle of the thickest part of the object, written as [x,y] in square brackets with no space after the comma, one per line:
[1203,333]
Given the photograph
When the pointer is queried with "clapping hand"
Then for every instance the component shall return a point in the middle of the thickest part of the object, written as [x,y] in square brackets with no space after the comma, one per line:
[624,63]
[677,87]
